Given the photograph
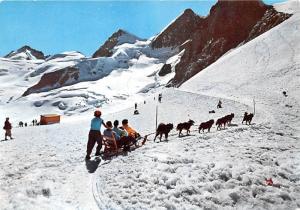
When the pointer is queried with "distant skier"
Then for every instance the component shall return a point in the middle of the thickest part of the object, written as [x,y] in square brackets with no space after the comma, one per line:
[135,106]
[21,124]
[7,127]
[284,93]
[159,97]
[219,106]
[95,135]
[136,112]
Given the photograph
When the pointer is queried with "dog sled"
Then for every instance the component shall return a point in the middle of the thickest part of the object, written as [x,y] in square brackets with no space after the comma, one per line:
[111,148]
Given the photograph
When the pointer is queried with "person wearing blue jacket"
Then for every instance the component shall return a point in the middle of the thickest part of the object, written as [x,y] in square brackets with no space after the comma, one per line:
[95,135]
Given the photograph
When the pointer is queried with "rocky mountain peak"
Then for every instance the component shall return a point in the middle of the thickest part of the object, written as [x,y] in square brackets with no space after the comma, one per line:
[26,53]
[178,31]
[117,38]
[188,12]
[120,32]
[228,24]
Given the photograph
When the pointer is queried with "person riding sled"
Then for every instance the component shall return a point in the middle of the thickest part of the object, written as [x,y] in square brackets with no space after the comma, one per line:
[111,135]
[122,137]
[132,133]
[95,135]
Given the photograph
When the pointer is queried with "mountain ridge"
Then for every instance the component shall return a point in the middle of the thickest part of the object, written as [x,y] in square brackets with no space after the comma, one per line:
[26,52]
[205,39]
[106,50]
[229,24]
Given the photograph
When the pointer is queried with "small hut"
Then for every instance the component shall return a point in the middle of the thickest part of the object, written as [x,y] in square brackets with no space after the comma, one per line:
[48,119]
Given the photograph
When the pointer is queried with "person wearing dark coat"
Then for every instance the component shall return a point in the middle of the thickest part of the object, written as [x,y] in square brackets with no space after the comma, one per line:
[159,97]
[219,106]
[7,127]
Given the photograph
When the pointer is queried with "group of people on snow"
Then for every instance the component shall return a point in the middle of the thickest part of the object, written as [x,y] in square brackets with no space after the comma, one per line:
[8,127]
[136,111]
[34,123]
[120,137]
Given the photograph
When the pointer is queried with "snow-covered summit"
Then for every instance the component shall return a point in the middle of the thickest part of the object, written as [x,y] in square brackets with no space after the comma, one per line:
[118,38]
[68,55]
[25,53]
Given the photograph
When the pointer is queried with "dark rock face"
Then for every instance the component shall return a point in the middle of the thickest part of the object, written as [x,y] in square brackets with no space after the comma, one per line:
[37,54]
[106,50]
[166,69]
[270,19]
[52,80]
[229,24]
[179,31]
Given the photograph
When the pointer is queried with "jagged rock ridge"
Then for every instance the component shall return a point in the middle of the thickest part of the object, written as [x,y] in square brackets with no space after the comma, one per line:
[228,24]
[203,39]
[179,31]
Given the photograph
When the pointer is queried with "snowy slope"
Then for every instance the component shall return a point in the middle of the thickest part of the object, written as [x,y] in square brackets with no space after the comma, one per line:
[217,170]
[261,69]
[221,169]
[44,167]
[26,55]
[13,78]
[227,169]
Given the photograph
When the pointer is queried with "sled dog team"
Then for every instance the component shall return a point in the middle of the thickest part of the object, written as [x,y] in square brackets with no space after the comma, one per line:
[164,129]
[115,137]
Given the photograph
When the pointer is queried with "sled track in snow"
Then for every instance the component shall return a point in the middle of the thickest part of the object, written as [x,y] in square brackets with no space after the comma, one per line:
[229,135]
[98,185]
[103,202]
[98,194]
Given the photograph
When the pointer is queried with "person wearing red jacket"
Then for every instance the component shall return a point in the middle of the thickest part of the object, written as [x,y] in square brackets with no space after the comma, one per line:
[7,127]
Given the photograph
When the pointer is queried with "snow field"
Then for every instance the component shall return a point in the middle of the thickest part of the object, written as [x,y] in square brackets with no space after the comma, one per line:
[132,69]
[221,169]
[44,167]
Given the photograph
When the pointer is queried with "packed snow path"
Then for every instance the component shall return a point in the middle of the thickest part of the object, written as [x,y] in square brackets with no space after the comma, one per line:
[44,167]
[221,169]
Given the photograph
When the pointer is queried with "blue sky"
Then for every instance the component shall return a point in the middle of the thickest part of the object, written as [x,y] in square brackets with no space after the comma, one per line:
[57,26]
